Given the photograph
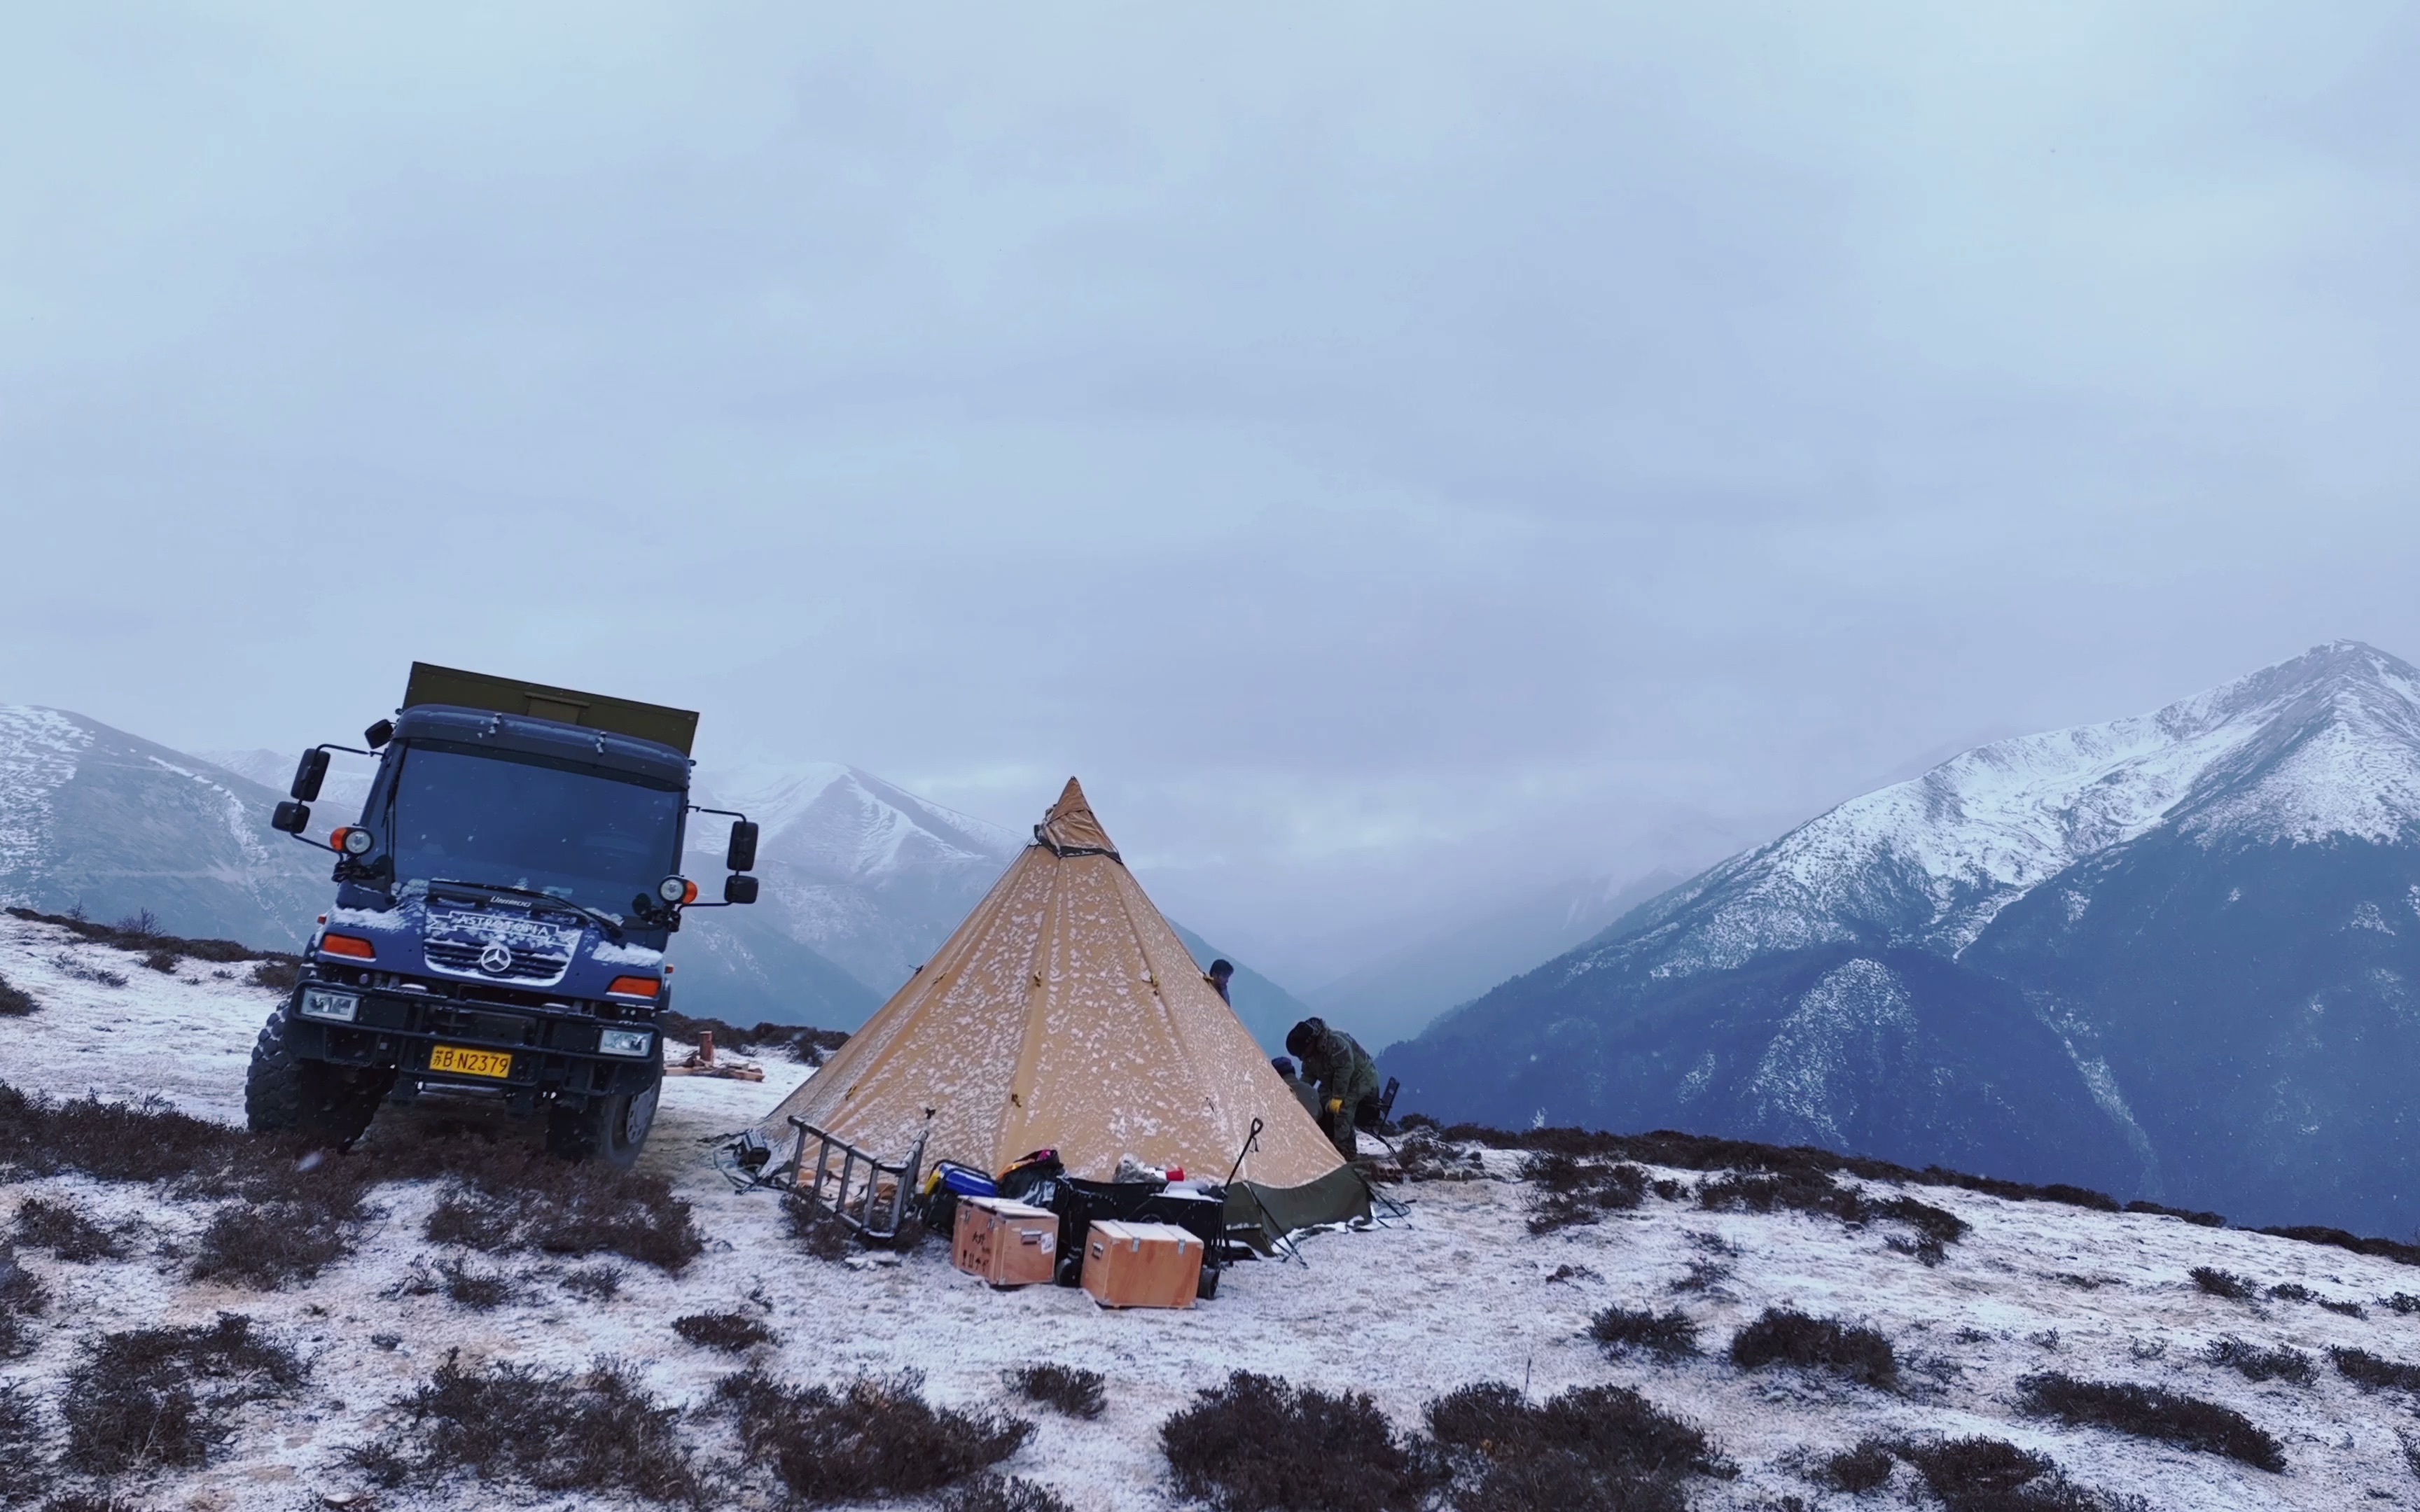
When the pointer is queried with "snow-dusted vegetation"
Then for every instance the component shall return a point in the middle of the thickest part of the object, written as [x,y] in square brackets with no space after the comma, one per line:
[195,1318]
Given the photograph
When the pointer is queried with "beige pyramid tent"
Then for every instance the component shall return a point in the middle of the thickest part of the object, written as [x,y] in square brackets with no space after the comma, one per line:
[1064,1013]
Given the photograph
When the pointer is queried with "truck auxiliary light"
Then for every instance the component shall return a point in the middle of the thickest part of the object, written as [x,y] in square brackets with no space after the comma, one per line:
[347,945]
[352,839]
[622,1042]
[631,987]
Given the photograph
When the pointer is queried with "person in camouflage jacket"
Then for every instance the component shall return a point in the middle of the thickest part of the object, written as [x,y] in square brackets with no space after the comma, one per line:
[1345,1075]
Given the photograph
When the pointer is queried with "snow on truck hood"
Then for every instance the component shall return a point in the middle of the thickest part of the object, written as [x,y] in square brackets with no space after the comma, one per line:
[448,933]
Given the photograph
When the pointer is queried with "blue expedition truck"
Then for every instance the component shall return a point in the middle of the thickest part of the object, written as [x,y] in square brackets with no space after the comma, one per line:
[503,904]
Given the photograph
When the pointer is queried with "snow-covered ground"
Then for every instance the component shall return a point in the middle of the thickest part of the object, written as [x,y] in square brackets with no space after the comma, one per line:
[1458,1293]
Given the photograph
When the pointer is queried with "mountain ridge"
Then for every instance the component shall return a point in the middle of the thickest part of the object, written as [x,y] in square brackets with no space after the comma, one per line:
[2076,873]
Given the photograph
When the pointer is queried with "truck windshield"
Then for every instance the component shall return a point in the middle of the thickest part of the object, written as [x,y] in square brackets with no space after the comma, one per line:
[591,837]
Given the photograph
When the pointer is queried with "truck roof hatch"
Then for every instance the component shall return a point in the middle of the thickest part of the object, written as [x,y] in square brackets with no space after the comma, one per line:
[676,728]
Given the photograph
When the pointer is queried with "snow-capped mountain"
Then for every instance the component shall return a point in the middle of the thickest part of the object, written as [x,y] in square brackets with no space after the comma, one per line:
[2176,947]
[871,876]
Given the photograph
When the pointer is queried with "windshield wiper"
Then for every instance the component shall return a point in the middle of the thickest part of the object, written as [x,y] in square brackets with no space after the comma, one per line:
[611,926]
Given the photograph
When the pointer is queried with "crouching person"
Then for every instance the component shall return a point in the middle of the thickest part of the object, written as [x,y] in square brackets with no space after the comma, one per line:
[1346,1076]
[1303,1091]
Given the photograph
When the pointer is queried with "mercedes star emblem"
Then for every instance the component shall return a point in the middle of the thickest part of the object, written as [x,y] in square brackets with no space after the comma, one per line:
[495,961]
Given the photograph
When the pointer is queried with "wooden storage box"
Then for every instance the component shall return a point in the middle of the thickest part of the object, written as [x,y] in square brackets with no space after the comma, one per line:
[1006,1242]
[1140,1265]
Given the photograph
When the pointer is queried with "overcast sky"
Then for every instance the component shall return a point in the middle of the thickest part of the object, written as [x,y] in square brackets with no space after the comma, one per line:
[1390,452]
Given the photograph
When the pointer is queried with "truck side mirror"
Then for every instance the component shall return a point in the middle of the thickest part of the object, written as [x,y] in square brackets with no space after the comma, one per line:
[309,774]
[378,734]
[742,855]
[738,889]
[290,817]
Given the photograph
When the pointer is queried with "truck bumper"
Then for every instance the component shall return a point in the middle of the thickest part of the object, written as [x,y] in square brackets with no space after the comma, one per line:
[553,1056]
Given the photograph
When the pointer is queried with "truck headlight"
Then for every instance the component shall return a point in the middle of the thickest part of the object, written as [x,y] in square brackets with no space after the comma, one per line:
[623,1042]
[339,1008]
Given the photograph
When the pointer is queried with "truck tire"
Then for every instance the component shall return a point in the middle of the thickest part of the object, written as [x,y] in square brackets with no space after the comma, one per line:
[286,1094]
[609,1129]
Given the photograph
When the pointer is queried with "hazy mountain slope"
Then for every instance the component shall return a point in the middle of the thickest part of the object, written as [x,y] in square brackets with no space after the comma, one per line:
[2205,905]
[1267,1009]
[347,785]
[95,818]
[738,966]
[1399,994]
[2254,1001]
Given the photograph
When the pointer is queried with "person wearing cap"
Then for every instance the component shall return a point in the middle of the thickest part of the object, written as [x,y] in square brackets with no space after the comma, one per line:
[1303,1091]
[1221,972]
[1345,1075]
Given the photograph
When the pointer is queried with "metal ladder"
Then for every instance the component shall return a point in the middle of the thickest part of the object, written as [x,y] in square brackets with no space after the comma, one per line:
[853,1191]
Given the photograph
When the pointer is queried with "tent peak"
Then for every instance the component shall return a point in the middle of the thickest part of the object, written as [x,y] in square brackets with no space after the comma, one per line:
[1070,829]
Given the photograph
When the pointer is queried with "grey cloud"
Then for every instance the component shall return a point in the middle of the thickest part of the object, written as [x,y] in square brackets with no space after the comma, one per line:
[1396,454]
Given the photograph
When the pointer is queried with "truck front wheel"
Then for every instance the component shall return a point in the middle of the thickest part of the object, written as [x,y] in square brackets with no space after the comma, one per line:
[284,1094]
[609,1129]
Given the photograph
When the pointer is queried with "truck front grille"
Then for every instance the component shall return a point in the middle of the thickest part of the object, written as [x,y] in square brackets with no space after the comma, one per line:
[460,958]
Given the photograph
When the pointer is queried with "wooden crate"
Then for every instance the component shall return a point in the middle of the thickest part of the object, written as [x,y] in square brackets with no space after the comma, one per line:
[1006,1242]
[1140,1265]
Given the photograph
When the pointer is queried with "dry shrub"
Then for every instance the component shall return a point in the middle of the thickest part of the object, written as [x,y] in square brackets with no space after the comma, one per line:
[302,1209]
[22,1296]
[2225,1284]
[25,1446]
[1708,1152]
[1863,1466]
[504,1197]
[279,974]
[2203,1220]
[269,1246]
[598,1283]
[1667,1337]
[458,1282]
[2385,1249]
[15,1002]
[1421,1156]
[817,1230]
[1591,1446]
[870,1439]
[988,1492]
[143,931]
[1073,1392]
[1993,1475]
[1787,1336]
[810,1046]
[1565,1192]
[2373,1373]
[58,1228]
[1815,1191]
[1259,1444]
[600,1431]
[2151,1413]
[66,964]
[731,1333]
[2256,1363]
[163,962]
[154,1396]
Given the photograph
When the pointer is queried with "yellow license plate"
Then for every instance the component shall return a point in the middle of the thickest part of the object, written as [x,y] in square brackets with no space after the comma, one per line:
[470,1062]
